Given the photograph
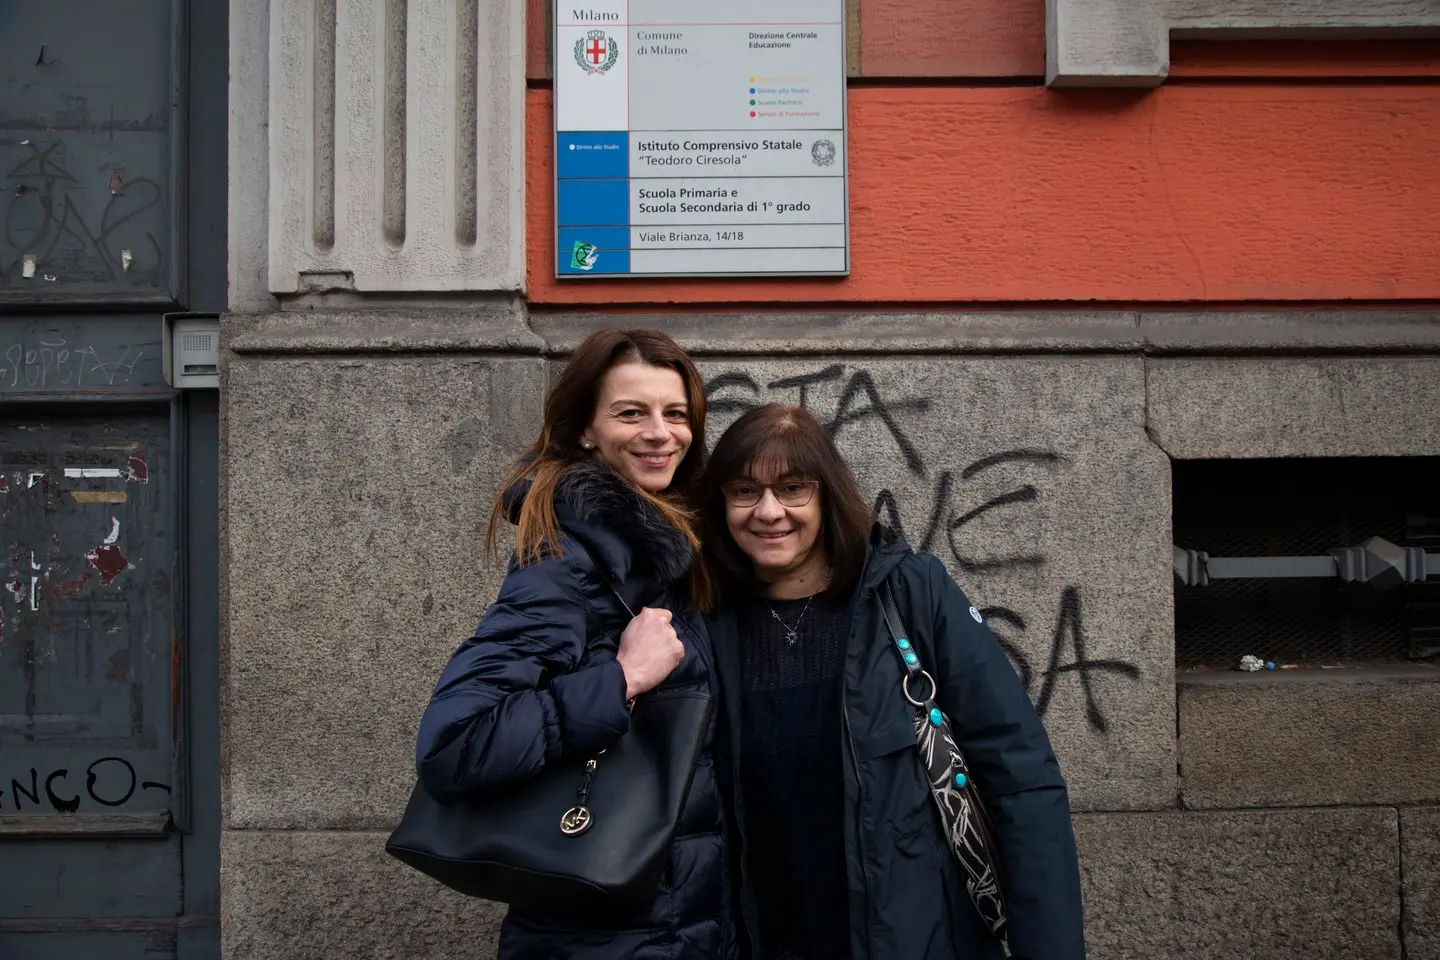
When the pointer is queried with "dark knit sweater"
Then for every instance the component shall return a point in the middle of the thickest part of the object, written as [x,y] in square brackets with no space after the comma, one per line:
[792,735]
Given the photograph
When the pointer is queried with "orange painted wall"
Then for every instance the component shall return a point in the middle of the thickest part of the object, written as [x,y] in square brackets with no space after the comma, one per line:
[952,38]
[1220,192]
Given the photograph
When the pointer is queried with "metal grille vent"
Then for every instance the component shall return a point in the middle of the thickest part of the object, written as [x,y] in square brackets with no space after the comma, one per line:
[1300,508]
[198,343]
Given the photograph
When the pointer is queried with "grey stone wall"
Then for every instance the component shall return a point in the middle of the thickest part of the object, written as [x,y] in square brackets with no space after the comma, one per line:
[1420,867]
[362,449]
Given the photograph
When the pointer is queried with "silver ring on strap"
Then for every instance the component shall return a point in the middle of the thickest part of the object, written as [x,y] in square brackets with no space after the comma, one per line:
[905,688]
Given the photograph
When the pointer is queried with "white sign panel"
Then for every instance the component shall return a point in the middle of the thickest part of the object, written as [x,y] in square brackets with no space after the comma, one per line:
[700,140]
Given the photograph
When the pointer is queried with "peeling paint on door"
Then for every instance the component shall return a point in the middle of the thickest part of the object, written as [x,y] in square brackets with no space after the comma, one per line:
[108,561]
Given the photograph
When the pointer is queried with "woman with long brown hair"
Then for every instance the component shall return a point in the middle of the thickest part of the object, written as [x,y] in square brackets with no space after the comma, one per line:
[869,823]
[604,524]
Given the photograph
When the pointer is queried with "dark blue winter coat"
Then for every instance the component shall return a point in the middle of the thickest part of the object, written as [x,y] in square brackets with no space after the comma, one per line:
[907,895]
[538,683]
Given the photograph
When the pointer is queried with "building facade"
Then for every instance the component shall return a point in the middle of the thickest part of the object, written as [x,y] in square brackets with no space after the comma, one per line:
[1131,283]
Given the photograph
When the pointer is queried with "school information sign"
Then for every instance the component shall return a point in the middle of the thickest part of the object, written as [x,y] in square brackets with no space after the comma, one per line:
[700,139]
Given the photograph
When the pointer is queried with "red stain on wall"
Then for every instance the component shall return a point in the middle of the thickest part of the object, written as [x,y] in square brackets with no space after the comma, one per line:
[137,471]
[1182,194]
[108,561]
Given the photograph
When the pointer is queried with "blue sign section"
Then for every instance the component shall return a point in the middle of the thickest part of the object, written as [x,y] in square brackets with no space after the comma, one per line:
[593,250]
[582,203]
[594,156]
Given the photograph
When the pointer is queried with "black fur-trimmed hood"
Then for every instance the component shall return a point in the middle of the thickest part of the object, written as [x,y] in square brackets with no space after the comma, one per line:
[596,505]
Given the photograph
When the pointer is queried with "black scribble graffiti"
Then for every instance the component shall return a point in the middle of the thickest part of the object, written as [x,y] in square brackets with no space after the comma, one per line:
[60,804]
[805,381]
[1067,640]
[1022,455]
[1070,627]
[860,383]
[943,518]
[731,404]
[18,789]
[1012,650]
[948,516]
[91,777]
[860,386]
[44,220]
[56,778]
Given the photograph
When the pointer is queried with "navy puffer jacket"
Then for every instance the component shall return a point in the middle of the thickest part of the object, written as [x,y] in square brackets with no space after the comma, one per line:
[538,683]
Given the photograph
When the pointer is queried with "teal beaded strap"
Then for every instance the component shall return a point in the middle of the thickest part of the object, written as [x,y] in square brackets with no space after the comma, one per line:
[967,825]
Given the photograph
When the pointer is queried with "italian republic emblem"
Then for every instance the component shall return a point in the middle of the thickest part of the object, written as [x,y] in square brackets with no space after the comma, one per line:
[822,152]
[595,52]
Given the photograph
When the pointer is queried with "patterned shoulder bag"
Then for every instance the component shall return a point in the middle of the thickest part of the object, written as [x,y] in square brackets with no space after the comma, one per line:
[967,824]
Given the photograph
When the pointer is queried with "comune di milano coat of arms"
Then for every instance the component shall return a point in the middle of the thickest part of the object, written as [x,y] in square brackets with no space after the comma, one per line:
[595,52]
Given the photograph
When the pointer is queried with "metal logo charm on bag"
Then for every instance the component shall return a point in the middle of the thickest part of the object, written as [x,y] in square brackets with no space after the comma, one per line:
[578,818]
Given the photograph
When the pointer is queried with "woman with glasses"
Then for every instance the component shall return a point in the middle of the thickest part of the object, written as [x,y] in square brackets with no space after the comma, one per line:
[843,850]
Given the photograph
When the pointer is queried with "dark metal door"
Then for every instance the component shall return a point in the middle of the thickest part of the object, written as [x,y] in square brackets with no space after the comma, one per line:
[109,795]
[87,701]
[112,212]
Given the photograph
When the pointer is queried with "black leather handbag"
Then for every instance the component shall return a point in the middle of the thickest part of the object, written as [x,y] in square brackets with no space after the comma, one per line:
[583,833]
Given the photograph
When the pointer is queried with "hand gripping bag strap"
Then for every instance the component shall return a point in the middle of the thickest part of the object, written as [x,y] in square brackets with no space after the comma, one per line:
[613,840]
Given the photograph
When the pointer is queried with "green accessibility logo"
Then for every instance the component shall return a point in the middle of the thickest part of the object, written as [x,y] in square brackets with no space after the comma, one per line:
[584,255]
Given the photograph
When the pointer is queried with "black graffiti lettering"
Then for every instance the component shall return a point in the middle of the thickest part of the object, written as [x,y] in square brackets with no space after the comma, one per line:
[1070,627]
[860,383]
[60,805]
[732,404]
[55,781]
[806,380]
[887,511]
[91,777]
[994,615]
[18,788]
[885,501]
[860,400]
[1025,494]
[1022,455]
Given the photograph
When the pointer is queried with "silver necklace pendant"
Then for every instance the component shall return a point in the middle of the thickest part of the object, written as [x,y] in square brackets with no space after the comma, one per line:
[792,634]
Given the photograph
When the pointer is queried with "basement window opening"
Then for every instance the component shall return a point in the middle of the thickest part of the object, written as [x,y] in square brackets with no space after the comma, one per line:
[1306,562]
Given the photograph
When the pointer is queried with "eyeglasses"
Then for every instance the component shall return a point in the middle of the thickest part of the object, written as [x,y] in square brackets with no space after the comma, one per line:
[790,493]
